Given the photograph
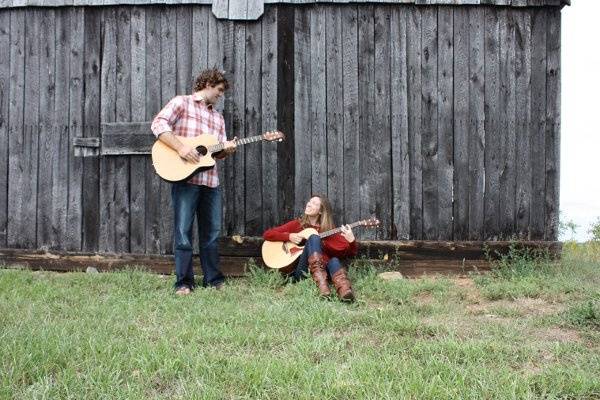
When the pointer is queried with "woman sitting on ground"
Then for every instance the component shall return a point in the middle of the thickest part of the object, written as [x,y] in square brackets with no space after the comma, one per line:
[320,256]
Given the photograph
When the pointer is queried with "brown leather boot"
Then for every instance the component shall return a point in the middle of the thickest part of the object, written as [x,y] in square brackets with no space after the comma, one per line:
[319,275]
[342,285]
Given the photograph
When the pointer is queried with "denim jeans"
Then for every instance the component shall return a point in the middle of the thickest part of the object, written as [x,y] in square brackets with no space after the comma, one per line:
[204,203]
[313,245]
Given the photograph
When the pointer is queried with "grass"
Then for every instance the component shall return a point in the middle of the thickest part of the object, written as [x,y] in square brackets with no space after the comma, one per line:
[529,329]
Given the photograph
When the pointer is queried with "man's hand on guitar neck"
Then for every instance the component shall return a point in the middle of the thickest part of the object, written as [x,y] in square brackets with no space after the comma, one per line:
[228,149]
[230,146]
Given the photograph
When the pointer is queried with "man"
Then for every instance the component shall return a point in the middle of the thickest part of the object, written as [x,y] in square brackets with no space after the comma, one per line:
[200,196]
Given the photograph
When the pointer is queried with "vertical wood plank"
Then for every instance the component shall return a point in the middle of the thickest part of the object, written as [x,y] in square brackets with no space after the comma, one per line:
[49,152]
[366,107]
[538,123]
[523,121]
[476,122]
[552,124]
[380,192]
[318,103]
[429,122]
[223,56]
[335,112]
[220,52]
[137,191]
[413,45]
[31,140]
[23,140]
[60,183]
[108,94]
[91,127]
[507,131]
[122,177]
[302,100]
[399,121]
[153,106]
[74,234]
[184,48]
[16,121]
[5,48]
[286,118]
[253,152]
[492,128]
[269,121]
[168,90]
[461,124]
[350,56]
[200,39]
[238,126]
[445,94]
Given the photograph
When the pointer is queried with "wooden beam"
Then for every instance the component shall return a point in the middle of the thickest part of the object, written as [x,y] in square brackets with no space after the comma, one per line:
[411,258]
[126,138]
[241,246]
[231,266]
[70,261]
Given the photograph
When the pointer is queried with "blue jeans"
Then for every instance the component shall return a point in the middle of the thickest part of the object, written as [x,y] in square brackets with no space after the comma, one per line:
[313,245]
[204,203]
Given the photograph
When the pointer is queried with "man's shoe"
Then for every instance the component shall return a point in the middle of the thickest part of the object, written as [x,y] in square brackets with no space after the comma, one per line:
[183,291]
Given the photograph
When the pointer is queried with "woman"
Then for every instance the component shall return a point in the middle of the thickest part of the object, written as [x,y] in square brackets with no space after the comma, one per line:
[320,256]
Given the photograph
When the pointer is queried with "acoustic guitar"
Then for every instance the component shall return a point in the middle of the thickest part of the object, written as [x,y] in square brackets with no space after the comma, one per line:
[172,168]
[278,255]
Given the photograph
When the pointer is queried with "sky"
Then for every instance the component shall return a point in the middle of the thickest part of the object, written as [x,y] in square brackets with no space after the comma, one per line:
[580,112]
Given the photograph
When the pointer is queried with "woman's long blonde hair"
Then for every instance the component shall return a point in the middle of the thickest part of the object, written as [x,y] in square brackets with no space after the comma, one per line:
[325,219]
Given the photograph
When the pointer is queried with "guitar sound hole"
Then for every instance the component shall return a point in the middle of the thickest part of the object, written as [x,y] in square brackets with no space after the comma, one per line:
[202,150]
[302,243]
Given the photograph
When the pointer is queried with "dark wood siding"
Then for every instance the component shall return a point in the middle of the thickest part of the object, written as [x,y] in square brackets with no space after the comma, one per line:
[444,121]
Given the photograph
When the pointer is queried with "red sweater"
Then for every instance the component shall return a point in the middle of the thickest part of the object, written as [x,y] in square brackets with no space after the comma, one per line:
[333,246]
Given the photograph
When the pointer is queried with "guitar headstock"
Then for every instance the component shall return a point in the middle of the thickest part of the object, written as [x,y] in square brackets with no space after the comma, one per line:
[273,136]
[371,222]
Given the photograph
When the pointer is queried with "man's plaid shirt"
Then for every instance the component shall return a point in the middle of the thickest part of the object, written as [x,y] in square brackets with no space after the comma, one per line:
[190,116]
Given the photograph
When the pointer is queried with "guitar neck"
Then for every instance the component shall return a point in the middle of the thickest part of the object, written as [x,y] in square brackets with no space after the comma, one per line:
[218,147]
[338,229]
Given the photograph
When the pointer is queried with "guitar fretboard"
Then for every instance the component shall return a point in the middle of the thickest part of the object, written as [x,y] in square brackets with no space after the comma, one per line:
[218,147]
[330,232]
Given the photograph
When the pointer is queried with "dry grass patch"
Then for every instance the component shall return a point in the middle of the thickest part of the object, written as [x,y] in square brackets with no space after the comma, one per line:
[557,335]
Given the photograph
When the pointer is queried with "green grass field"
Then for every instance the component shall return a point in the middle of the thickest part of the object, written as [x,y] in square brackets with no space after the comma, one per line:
[529,329]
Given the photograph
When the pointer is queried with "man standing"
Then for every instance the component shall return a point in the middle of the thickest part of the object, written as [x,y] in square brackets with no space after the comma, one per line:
[200,196]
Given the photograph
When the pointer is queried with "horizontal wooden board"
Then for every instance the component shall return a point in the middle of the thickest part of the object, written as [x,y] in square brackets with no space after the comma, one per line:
[230,266]
[126,138]
[411,258]
[240,246]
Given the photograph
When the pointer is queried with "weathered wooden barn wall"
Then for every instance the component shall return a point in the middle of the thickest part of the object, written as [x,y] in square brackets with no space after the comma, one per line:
[443,121]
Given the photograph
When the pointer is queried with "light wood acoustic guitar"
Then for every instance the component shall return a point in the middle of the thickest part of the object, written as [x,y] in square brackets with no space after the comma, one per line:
[172,168]
[279,255]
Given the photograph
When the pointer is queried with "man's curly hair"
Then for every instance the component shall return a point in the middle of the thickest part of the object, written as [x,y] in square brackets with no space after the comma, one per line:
[212,77]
